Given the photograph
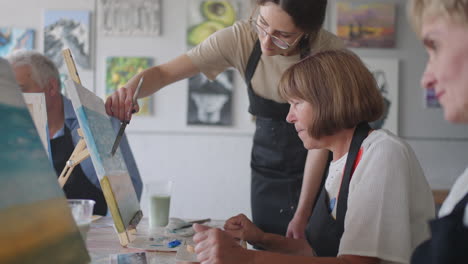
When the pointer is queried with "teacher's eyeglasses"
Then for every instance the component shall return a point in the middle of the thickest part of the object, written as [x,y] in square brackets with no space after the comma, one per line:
[282,44]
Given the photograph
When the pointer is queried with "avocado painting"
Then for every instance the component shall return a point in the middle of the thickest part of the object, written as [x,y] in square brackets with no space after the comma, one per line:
[36,223]
[207,17]
[120,69]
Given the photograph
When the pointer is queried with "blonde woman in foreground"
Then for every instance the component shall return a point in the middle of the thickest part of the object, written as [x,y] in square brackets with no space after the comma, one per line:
[443,27]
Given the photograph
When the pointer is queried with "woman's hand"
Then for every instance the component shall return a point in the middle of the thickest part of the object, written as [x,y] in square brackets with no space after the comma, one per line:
[214,246]
[242,228]
[120,104]
[296,228]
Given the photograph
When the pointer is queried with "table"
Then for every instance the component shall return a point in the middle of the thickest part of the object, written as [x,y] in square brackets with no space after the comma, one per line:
[102,242]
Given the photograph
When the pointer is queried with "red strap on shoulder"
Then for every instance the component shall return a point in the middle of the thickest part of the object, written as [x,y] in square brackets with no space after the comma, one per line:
[356,162]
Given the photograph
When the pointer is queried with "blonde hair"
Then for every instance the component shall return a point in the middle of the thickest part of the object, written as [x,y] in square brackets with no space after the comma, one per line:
[454,10]
[339,87]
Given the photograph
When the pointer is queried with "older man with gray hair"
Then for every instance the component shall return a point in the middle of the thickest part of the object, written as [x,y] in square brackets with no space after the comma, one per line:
[35,73]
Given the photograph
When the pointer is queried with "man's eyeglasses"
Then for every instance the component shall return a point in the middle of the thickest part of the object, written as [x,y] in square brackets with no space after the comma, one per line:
[277,41]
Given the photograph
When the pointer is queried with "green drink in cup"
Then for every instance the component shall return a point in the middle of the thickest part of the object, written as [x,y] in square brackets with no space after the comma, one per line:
[159,195]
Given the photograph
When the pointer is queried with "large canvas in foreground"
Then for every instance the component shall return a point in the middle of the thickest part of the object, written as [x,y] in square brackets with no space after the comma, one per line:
[111,170]
[36,223]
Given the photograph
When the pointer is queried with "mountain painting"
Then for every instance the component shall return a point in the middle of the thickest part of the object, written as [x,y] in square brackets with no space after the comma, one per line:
[67,29]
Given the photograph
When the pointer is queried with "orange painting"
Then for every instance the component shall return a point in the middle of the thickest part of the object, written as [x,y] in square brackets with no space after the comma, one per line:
[370,25]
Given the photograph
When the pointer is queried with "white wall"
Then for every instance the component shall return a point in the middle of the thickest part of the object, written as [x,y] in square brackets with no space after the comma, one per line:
[210,166]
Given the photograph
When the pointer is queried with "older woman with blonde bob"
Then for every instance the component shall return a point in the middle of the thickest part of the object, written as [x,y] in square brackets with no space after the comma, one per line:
[443,27]
[375,202]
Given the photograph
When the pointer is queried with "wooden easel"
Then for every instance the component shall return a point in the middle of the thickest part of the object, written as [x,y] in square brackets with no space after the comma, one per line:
[80,153]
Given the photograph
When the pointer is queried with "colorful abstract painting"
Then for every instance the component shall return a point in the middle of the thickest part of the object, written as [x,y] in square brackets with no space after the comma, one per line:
[130,18]
[110,169]
[12,39]
[37,224]
[119,70]
[370,25]
[67,29]
[385,72]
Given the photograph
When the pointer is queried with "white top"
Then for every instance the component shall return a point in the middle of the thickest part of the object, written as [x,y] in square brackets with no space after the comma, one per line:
[458,191]
[389,200]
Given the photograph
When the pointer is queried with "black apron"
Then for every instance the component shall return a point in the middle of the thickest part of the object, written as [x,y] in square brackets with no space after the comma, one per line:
[78,185]
[449,239]
[277,161]
[324,232]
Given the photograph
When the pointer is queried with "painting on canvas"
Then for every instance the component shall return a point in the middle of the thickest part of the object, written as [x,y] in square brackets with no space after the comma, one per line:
[12,39]
[35,102]
[119,70]
[37,224]
[67,29]
[130,18]
[370,25]
[210,102]
[111,170]
[385,72]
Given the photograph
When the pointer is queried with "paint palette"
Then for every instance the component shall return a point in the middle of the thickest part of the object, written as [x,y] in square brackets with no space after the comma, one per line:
[155,243]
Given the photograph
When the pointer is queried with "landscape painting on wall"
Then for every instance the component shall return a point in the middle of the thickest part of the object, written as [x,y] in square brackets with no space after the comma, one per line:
[111,170]
[12,39]
[67,29]
[37,224]
[369,25]
[119,70]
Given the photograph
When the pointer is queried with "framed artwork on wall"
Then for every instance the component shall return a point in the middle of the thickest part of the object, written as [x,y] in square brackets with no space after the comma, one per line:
[366,24]
[210,102]
[385,72]
[119,70]
[130,18]
[12,39]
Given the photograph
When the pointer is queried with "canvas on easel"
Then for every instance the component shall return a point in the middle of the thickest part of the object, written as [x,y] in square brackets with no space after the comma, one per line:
[36,223]
[111,170]
[36,105]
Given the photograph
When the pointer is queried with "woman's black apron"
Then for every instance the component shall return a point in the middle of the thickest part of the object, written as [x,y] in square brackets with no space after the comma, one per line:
[323,231]
[78,185]
[449,239]
[277,161]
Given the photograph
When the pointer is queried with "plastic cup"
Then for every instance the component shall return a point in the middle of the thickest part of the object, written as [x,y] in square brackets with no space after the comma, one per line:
[159,200]
[82,211]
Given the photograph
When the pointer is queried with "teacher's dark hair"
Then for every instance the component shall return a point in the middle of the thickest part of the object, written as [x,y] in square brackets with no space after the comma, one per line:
[308,15]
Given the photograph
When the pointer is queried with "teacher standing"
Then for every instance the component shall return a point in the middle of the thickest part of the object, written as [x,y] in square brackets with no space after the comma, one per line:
[277,35]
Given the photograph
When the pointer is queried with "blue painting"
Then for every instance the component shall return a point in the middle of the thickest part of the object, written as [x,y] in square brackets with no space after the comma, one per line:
[12,39]
[99,136]
[37,225]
